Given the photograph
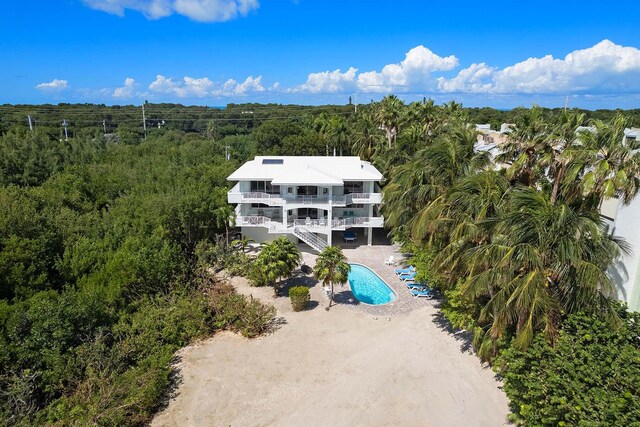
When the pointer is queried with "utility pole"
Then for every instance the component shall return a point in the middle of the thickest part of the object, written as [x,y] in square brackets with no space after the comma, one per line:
[144,122]
[226,152]
[66,135]
[566,103]
[104,125]
[355,105]
[30,124]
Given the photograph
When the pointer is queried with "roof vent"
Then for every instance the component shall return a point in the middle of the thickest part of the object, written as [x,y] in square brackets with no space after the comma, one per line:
[272,161]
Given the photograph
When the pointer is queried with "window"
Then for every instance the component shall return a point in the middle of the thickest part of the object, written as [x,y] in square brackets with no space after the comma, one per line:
[257,186]
[272,161]
[353,187]
[272,189]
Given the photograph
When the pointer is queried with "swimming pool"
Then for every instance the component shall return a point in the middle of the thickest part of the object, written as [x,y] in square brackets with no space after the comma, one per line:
[367,287]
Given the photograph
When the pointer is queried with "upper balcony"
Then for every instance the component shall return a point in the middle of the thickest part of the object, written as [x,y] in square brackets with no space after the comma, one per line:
[237,196]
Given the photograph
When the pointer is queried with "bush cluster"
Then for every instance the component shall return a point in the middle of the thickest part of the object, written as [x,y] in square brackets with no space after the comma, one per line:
[299,296]
[591,376]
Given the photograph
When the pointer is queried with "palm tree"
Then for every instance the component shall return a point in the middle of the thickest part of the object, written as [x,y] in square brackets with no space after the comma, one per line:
[336,132]
[528,137]
[543,261]
[276,261]
[331,267]
[225,216]
[612,163]
[366,137]
[388,114]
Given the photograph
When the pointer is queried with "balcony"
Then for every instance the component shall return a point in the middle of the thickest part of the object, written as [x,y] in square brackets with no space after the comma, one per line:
[357,221]
[356,198]
[236,196]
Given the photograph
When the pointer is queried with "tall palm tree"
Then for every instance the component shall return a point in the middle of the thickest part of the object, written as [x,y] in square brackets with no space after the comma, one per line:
[388,115]
[331,267]
[612,163]
[543,261]
[336,132]
[366,137]
[527,138]
[225,216]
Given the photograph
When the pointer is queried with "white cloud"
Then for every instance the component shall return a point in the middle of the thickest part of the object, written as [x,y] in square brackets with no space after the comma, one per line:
[328,81]
[125,91]
[190,87]
[197,10]
[473,79]
[54,85]
[603,68]
[413,73]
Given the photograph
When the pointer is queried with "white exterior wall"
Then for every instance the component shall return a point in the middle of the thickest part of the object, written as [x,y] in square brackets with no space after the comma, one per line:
[626,275]
[261,235]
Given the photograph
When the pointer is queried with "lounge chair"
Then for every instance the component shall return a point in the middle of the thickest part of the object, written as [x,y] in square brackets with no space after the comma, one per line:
[390,261]
[409,277]
[424,294]
[417,286]
[408,270]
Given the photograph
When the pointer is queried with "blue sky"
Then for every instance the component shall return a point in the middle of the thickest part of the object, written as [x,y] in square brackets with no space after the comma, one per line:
[211,52]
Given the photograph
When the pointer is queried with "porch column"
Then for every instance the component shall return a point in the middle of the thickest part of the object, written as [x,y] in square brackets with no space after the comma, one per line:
[369,237]
[329,215]
[284,215]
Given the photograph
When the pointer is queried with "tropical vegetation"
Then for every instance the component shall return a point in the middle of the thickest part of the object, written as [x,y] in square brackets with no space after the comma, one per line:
[331,268]
[110,237]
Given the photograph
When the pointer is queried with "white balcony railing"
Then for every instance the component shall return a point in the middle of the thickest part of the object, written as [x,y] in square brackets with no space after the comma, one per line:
[235,196]
[357,221]
[310,223]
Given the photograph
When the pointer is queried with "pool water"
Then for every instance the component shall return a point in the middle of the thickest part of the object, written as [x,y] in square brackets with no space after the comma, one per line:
[367,287]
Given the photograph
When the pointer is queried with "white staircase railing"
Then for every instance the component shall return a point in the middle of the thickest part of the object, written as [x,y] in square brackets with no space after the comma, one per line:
[309,238]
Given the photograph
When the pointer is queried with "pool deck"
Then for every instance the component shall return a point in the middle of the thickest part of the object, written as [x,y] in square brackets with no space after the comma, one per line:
[374,257]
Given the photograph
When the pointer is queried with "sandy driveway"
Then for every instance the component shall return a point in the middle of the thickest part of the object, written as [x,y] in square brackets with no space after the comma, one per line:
[335,368]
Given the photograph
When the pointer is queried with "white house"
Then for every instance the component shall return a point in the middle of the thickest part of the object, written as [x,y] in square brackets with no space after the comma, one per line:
[306,198]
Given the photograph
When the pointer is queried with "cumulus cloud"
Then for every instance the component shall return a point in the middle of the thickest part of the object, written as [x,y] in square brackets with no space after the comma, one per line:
[54,85]
[197,10]
[603,68]
[190,87]
[125,91]
[328,81]
[414,72]
[250,85]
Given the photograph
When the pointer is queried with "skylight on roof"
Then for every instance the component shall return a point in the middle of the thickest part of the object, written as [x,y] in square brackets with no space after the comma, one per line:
[272,161]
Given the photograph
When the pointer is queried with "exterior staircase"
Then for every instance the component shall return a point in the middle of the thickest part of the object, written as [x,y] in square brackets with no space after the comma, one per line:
[309,238]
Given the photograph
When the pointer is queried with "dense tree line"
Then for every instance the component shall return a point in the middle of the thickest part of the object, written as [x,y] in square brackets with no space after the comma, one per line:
[98,271]
[518,247]
[105,233]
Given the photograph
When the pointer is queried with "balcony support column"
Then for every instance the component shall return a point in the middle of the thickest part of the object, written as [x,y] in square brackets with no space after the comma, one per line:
[370,236]
[329,215]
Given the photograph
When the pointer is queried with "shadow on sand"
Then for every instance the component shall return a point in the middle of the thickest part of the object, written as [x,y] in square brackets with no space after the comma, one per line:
[465,338]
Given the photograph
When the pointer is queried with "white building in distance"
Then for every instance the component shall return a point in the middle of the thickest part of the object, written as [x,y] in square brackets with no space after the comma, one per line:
[307,198]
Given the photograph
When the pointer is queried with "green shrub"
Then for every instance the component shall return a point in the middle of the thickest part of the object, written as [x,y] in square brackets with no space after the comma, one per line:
[299,296]
[590,378]
[242,314]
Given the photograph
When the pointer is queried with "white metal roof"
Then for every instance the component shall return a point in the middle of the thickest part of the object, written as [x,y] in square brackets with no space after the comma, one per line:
[316,170]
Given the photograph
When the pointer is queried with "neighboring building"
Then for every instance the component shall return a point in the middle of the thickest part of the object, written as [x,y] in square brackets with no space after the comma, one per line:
[624,221]
[306,198]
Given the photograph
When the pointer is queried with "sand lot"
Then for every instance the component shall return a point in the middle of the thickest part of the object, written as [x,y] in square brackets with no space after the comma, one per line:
[341,367]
